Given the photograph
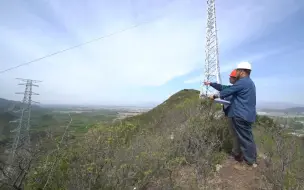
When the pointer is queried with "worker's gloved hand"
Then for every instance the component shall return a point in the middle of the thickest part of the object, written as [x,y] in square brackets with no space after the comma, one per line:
[211,97]
[207,83]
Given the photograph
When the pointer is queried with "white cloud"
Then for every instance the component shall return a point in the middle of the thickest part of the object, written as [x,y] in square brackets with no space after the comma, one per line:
[150,55]
[194,79]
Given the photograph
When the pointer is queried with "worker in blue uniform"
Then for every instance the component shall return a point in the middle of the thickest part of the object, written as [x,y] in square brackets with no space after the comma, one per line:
[235,153]
[243,110]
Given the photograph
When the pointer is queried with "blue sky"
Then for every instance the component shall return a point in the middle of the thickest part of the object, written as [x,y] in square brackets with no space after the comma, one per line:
[151,62]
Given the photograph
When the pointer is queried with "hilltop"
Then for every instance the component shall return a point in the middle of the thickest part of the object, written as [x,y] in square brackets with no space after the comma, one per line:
[174,106]
[180,144]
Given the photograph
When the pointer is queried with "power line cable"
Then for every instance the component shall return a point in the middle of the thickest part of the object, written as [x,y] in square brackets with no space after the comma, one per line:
[76,46]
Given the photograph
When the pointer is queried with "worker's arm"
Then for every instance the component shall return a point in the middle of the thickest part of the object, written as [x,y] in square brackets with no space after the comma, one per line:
[230,91]
[218,87]
[225,86]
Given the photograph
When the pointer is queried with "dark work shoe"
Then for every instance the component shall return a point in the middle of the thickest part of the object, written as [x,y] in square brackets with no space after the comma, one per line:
[239,158]
[236,157]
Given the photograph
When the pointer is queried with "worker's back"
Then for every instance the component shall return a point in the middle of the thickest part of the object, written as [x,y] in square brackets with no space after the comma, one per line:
[243,102]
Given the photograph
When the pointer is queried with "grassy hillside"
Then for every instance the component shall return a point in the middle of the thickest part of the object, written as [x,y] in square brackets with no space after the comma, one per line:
[148,148]
[5,118]
[7,115]
[177,145]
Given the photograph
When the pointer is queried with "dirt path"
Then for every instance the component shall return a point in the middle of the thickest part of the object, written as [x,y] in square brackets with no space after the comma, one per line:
[236,176]
[230,176]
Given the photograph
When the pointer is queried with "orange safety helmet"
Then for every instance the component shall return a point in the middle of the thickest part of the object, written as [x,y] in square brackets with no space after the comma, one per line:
[233,73]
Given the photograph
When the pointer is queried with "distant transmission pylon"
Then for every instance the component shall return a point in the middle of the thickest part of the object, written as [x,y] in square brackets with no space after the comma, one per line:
[212,67]
[22,136]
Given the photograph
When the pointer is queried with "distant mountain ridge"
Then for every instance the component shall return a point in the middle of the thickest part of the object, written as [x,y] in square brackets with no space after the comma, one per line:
[10,105]
[287,110]
[277,105]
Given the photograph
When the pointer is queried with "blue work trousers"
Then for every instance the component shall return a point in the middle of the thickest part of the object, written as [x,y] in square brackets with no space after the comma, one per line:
[243,130]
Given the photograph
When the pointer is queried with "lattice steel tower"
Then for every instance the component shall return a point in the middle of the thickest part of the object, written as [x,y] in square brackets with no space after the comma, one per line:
[212,68]
[22,136]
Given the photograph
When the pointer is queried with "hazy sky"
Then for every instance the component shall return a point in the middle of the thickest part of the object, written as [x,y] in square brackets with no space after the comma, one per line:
[153,61]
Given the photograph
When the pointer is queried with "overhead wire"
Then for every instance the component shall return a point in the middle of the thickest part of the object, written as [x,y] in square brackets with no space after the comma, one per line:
[76,46]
